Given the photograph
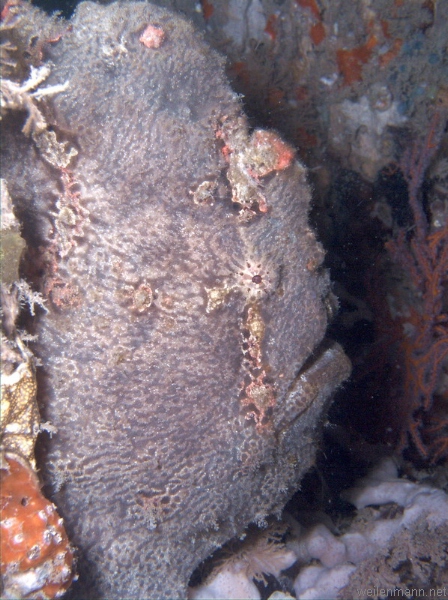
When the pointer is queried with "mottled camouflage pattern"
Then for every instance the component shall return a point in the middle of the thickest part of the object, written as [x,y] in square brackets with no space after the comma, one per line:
[185,365]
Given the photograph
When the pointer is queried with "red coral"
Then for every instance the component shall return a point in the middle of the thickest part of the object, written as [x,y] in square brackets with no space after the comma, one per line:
[423,256]
[36,557]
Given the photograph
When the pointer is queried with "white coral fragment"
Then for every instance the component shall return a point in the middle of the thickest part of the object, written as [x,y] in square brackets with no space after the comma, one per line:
[231,582]
[8,218]
[23,96]
[28,297]
[336,559]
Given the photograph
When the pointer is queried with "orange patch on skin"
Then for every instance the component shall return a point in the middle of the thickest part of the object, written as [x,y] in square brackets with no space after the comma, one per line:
[285,155]
[225,150]
[312,5]
[260,401]
[5,11]
[385,28]
[318,33]
[275,96]
[392,53]
[152,37]
[302,93]
[282,152]
[351,62]
[271,27]
[240,71]
[207,9]
[306,139]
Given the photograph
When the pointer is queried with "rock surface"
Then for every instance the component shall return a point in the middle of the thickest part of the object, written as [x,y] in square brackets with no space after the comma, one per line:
[185,363]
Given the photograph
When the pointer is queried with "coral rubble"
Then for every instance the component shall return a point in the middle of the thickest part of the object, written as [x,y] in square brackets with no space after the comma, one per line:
[389,547]
[185,361]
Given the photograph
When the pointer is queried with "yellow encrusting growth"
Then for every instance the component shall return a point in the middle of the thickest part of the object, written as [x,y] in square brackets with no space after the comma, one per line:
[19,414]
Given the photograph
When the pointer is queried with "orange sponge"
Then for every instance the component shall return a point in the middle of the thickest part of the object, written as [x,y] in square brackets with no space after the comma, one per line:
[36,557]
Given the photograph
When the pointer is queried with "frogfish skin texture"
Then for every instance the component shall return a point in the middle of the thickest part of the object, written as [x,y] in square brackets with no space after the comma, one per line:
[185,364]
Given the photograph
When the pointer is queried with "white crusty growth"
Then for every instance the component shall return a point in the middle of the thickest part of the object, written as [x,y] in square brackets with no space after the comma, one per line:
[23,96]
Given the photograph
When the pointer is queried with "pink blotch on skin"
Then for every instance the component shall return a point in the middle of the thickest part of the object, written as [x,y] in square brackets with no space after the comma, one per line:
[284,154]
[152,37]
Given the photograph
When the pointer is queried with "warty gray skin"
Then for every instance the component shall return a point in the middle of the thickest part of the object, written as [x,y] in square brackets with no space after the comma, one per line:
[185,364]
